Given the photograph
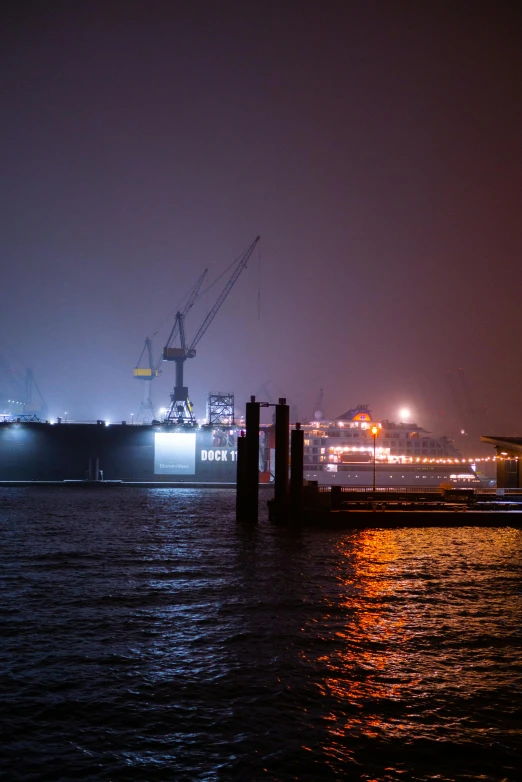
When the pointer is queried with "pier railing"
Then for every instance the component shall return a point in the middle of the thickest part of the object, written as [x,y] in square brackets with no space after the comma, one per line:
[417,490]
[337,497]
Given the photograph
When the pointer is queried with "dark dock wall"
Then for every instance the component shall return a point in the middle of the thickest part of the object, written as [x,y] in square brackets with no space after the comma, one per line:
[24,451]
[509,473]
[31,451]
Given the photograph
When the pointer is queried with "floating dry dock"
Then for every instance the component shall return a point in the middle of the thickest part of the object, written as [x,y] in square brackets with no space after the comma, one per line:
[33,451]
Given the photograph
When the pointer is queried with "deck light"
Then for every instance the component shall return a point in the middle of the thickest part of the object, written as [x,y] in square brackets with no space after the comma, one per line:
[375,431]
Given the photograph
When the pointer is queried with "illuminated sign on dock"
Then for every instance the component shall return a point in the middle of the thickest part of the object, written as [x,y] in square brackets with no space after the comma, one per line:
[175,453]
[218,455]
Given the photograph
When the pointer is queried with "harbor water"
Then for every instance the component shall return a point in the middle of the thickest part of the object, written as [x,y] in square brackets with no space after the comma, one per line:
[144,635]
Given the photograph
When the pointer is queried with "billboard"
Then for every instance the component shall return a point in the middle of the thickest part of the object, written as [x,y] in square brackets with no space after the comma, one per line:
[175,453]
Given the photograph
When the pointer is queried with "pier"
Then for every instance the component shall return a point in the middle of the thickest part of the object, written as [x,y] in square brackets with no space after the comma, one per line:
[359,508]
[303,503]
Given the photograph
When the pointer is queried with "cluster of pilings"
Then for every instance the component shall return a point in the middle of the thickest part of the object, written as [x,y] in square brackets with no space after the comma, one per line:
[287,504]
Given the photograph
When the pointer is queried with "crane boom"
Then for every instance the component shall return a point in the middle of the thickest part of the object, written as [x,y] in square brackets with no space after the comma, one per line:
[242,262]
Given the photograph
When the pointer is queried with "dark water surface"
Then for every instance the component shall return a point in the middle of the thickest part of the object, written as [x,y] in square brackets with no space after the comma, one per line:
[145,636]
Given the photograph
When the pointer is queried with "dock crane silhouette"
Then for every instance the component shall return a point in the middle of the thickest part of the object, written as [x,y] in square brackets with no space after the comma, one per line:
[153,369]
[146,375]
[181,411]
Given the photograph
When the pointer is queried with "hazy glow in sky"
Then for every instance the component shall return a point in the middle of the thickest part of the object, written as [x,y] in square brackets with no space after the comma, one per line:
[375,147]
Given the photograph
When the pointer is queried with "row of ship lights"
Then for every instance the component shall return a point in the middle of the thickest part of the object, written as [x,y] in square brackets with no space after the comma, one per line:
[404,415]
[411,459]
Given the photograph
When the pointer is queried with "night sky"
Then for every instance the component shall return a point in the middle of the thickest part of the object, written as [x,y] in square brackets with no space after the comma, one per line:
[374,146]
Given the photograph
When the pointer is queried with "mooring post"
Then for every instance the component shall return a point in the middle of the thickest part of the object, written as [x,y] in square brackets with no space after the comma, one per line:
[241,484]
[252,461]
[296,474]
[282,454]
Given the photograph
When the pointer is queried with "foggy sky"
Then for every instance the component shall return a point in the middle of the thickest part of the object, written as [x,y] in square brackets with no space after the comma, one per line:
[374,146]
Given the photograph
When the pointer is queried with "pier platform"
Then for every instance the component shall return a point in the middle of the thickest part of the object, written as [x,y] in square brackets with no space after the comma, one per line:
[386,508]
[413,517]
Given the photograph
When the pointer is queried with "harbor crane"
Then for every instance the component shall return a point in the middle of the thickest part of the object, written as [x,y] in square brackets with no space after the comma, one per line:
[20,396]
[153,369]
[181,410]
[147,375]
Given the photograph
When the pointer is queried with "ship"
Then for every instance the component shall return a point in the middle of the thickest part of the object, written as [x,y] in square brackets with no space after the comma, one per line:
[354,447]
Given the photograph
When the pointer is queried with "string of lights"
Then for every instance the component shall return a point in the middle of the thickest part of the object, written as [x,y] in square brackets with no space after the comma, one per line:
[403,459]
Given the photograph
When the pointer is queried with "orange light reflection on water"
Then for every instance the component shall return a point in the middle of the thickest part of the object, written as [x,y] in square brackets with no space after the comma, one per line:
[399,628]
[371,641]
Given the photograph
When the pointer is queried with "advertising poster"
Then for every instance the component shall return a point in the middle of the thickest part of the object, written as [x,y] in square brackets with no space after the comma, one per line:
[175,453]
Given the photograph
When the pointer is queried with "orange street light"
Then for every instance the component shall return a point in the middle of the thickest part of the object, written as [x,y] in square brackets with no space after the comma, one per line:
[375,431]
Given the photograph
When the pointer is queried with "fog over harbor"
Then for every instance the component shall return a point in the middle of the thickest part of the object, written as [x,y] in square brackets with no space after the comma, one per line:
[374,147]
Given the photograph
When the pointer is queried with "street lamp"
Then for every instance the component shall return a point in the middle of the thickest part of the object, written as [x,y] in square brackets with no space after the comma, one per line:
[132,418]
[65,415]
[375,431]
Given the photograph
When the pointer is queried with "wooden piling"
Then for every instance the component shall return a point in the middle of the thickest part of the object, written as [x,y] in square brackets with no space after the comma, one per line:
[296,475]
[241,481]
[251,501]
[282,454]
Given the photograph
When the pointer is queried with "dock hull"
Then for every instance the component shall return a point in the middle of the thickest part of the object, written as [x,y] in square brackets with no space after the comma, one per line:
[32,451]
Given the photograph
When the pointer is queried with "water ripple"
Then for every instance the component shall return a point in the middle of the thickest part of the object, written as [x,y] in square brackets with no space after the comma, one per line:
[145,636]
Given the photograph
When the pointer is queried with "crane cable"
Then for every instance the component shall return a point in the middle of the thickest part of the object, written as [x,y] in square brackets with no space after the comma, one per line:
[176,308]
[259,281]
[233,263]
[199,296]
[204,292]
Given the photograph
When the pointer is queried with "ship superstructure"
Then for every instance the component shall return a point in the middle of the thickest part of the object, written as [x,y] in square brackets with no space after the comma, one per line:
[342,451]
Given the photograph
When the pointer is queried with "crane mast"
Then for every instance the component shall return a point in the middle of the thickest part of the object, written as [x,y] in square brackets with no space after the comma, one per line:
[181,410]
